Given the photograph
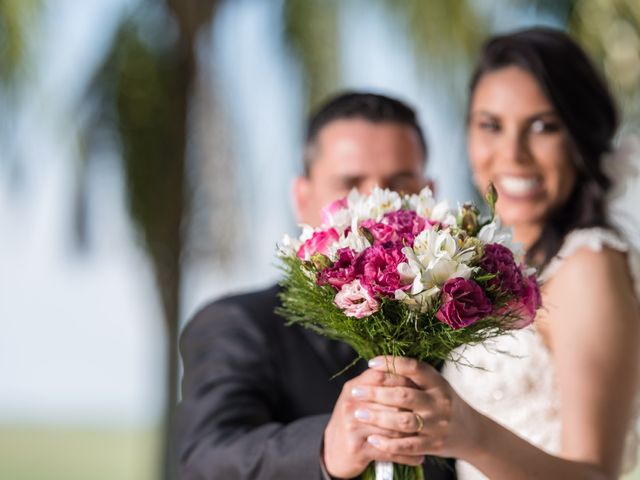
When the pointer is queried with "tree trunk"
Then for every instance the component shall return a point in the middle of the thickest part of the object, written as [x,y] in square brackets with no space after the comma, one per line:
[170,280]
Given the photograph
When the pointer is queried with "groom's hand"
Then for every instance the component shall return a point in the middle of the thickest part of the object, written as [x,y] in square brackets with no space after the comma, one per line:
[346,451]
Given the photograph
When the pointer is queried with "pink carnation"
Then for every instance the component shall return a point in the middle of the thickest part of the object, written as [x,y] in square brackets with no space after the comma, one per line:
[378,267]
[381,232]
[355,301]
[341,272]
[527,305]
[464,303]
[407,224]
[318,243]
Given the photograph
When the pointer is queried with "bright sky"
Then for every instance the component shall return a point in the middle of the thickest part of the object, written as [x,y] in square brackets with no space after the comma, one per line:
[80,334]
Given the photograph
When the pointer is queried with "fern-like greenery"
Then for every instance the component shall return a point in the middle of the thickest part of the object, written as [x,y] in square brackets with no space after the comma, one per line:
[396,329]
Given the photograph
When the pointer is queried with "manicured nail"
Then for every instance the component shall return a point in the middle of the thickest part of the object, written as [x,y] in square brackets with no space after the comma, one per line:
[358,392]
[373,440]
[375,362]
[361,414]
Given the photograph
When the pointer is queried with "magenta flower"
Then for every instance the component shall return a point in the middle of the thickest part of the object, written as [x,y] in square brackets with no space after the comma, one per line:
[378,267]
[341,272]
[355,300]
[406,223]
[464,303]
[498,260]
[318,243]
[527,305]
[381,232]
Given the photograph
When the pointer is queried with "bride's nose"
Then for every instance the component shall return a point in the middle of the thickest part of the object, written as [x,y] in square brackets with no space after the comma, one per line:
[514,148]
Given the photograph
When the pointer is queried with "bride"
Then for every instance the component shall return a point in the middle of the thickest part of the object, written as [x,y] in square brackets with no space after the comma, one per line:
[557,399]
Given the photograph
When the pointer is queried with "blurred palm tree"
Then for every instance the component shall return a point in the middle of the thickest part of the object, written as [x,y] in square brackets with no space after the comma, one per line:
[17,22]
[17,18]
[611,33]
[140,98]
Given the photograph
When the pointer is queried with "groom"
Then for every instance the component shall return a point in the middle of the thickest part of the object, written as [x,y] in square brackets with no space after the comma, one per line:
[258,398]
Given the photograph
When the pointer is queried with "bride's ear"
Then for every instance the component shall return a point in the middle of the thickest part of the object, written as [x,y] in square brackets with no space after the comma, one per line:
[300,193]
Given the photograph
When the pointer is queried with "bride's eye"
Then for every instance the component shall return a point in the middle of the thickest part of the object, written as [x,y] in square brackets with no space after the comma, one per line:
[542,126]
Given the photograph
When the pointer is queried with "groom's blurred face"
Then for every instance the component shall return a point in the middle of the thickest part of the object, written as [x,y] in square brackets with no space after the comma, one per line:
[358,153]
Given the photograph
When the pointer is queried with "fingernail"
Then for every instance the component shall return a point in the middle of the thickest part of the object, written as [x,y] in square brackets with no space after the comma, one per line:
[375,362]
[358,392]
[362,414]
[373,440]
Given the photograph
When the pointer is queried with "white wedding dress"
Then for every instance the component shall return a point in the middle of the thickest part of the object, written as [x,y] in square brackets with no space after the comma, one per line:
[516,383]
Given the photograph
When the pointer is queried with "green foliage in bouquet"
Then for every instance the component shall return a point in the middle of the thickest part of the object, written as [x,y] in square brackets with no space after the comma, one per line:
[396,329]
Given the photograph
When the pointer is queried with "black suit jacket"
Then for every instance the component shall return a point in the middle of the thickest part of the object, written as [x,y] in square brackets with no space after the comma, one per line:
[257,395]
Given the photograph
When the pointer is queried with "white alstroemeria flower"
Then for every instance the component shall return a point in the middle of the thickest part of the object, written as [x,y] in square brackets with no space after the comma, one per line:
[426,206]
[423,202]
[434,259]
[354,240]
[374,205]
[443,214]
[336,214]
[442,269]
[353,198]
[411,271]
[341,219]
[431,244]
[421,302]
[288,246]
[494,232]
[307,232]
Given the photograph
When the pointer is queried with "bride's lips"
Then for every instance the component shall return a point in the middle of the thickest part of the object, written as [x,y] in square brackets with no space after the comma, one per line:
[519,187]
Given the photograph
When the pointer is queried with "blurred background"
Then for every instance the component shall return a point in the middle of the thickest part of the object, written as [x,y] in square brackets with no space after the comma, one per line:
[147,149]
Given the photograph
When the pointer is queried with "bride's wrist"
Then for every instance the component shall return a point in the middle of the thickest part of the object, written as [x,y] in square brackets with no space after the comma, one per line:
[479,436]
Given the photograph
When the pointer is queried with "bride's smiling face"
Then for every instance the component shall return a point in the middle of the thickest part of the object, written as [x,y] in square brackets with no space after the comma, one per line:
[517,141]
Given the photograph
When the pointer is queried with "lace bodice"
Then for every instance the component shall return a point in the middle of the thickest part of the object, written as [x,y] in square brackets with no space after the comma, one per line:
[516,382]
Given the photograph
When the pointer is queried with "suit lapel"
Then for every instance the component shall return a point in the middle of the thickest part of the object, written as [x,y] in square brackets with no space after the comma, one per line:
[334,355]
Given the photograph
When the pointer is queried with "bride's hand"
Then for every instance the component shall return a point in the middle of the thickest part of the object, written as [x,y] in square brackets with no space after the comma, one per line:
[439,421]
[346,452]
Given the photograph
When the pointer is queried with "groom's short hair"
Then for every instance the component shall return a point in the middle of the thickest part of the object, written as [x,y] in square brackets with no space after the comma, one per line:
[371,107]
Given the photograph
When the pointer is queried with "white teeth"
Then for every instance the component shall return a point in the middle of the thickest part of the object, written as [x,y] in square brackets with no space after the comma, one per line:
[518,185]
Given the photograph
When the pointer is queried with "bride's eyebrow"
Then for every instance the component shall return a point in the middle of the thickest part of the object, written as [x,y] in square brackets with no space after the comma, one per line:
[546,113]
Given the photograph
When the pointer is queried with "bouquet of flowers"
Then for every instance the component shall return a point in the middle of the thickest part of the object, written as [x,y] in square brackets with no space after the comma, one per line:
[403,275]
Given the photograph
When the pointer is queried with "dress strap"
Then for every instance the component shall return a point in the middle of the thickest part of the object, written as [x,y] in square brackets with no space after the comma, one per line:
[595,239]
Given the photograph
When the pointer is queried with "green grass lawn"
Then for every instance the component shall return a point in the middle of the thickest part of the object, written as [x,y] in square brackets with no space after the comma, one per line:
[29,453]
[32,453]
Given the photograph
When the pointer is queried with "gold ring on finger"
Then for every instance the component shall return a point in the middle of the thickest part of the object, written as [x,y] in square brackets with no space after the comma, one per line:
[420,421]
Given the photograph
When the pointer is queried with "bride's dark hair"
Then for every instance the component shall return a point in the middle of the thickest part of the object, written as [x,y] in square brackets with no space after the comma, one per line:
[584,104]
